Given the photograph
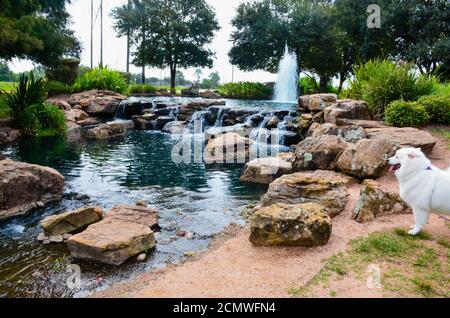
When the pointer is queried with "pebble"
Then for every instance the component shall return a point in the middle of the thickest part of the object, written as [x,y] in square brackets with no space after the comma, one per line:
[141,257]
[141,203]
[189,235]
[164,242]
[181,233]
[67,236]
[42,237]
[46,242]
[40,204]
[56,239]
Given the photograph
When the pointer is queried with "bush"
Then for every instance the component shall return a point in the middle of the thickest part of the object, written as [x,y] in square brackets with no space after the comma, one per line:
[382,82]
[101,78]
[246,90]
[54,88]
[406,114]
[28,109]
[141,89]
[438,108]
[66,71]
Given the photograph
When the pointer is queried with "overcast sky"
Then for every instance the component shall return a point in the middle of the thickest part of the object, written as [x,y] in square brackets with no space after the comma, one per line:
[115,48]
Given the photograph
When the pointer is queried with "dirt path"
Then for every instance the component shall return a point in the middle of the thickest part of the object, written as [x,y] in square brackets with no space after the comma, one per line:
[238,269]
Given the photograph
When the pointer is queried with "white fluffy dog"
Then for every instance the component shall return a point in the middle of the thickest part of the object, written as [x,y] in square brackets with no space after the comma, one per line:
[423,186]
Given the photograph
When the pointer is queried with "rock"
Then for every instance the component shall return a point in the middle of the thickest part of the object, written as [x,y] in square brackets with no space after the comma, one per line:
[62,104]
[57,239]
[97,103]
[163,121]
[181,233]
[316,102]
[366,158]
[404,137]
[210,95]
[186,110]
[228,148]
[265,170]
[71,222]
[272,123]
[175,127]
[42,237]
[125,232]
[22,185]
[326,188]
[133,107]
[321,153]
[144,122]
[141,203]
[75,115]
[67,236]
[88,122]
[361,123]
[375,202]
[109,130]
[236,116]
[305,224]
[142,257]
[191,91]
[348,133]
[347,109]
[8,135]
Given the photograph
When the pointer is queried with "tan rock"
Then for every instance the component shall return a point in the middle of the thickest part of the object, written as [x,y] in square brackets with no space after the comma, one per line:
[316,102]
[375,202]
[366,158]
[404,137]
[8,135]
[109,130]
[318,153]
[71,222]
[75,115]
[326,188]
[136,214]
[62,104]
[347,109]
[305,224]
[23,185]
[265,170]
[228,148]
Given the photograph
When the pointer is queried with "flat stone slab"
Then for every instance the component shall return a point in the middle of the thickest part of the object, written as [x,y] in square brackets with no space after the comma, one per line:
[404,137]
[265,170]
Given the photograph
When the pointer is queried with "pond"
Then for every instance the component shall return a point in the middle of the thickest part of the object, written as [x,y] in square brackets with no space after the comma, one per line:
[196,198]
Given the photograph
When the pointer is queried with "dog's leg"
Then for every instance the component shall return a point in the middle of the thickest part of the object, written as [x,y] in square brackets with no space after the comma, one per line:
[421,219]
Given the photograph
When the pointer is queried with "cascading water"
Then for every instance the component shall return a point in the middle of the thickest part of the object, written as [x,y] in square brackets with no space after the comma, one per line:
[286,88]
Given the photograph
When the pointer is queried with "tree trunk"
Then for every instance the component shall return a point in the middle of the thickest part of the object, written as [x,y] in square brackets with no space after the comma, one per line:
[143,75]
[173,73]
[341,82]
[323,84]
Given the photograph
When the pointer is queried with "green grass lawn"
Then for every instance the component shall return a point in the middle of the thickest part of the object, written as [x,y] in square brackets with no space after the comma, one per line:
[3,108]
[441,131]
[6,86]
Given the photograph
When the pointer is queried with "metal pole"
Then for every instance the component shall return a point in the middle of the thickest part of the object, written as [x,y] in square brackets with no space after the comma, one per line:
[92,34]
[101,33]
[128,41]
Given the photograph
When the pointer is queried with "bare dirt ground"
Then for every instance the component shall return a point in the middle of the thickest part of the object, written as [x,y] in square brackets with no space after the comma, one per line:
[234,268]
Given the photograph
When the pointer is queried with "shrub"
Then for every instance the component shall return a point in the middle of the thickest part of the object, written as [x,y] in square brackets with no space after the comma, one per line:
[406,114]
[66,71]
[307,85]
[101,78]
[54,88]
[141,89]
[382,82]
[245,90]
[437,107]
[442,90]
[51,120]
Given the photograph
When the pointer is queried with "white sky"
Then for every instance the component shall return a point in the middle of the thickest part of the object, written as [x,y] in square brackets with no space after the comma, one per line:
[115,48]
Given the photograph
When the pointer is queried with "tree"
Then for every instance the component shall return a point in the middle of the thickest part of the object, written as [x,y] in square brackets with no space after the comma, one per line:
[214,77]
[198,72]
[5,73]
[180,79]
[169,33]
[36,30]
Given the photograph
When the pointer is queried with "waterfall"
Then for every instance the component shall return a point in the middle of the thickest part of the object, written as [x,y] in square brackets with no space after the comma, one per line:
[286,88]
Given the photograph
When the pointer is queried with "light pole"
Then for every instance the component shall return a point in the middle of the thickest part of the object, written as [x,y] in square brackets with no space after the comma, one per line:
[101,33]
[92,34]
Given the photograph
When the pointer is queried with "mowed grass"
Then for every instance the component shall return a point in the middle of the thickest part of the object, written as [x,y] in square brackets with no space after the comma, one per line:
[7,86]
[4,109]
[410,266]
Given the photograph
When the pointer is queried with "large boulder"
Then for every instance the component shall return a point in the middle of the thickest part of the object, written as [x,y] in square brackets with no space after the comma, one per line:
[236,116]
[210,95]
[175,127]
[316,102]
[375,202]
[404,137]
[109,130]
[97,103]
[366,158]
[75,115]
[348,133]
[188,109]
[326,188]
[305,224]
[265,170]
[126,231]
[24,187]
[228,148]
[71,222]
[321,153]
[144,122]
[347,109]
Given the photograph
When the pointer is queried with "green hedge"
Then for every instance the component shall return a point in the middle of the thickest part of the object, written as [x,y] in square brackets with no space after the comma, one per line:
[101,78]
[141,89]
[245,90]
[406,114]
[437,107]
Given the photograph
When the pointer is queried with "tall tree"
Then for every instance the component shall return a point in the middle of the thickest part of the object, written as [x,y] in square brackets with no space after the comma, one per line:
[169,33]
[36,30]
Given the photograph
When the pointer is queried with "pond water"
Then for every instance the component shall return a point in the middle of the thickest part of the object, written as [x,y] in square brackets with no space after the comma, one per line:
[196,198]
